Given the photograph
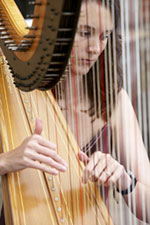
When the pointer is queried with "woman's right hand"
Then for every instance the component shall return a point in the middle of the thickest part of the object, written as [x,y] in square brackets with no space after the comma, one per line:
[35,152]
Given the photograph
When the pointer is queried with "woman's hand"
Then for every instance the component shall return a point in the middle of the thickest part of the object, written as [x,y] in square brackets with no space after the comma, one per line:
[103,169]
[35,152]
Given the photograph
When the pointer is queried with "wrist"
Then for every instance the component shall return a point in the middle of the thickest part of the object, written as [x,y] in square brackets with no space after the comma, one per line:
[131,186]
[3,164]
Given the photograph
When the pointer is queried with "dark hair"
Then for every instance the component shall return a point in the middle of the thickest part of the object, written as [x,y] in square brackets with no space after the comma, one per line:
[105,75]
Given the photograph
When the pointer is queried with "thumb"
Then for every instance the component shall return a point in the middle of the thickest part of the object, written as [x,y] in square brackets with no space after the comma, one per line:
[38,127]
[83,157]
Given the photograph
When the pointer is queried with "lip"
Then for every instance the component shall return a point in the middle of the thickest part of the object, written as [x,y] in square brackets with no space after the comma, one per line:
[87,61]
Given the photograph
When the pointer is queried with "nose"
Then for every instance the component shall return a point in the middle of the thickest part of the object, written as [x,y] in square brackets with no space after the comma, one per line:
[94,46]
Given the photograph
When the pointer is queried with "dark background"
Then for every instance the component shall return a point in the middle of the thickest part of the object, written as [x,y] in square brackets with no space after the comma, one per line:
[24,7]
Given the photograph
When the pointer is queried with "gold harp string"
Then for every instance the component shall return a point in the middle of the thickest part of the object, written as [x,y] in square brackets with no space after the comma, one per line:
[73,77]
[38,113]
[32,113]
[12,146]
[62,138]
[39,173]
[18,179]
[75,167]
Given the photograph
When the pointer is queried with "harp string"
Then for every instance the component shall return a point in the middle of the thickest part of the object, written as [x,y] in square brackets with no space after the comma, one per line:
[89,55]
[128,75]
[17,174]
[136,79]
[76,94]
[143,79]
[34,101]
[38,113]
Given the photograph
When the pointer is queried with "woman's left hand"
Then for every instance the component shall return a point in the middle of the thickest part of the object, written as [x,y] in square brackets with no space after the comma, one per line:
[103,169]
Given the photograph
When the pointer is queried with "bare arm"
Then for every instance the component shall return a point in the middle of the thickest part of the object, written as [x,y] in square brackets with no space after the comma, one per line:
[132,154]
[103,169]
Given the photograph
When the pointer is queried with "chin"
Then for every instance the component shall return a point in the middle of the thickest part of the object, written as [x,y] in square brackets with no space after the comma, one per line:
[81,71]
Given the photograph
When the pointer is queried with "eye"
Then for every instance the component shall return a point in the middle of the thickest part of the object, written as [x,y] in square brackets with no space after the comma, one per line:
[85,34]
[104,37]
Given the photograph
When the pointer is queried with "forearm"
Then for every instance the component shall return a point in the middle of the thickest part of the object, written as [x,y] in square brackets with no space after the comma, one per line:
[3,166]
[139,201]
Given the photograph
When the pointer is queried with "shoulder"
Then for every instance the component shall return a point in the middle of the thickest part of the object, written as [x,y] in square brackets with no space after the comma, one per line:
[122,98]
[123,109]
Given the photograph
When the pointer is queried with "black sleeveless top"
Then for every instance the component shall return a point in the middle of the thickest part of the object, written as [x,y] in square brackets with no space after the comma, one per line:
[101,142]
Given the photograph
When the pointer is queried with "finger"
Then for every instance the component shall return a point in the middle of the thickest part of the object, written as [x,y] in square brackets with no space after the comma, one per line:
[116,175]
[49,161]
[38,127]
[49,153]
[83,158]
[45,143]
[106,174]
[90,167]
[42,167]
[98,170]
[94,160]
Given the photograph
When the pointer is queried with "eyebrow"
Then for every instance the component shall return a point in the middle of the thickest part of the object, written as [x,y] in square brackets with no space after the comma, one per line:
[88,27]
[93,28]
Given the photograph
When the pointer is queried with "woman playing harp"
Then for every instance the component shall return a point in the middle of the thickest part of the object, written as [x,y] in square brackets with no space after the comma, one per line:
[101,109]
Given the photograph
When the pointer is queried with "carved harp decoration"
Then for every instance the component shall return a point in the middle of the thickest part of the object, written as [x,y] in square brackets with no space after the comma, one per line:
[35,56]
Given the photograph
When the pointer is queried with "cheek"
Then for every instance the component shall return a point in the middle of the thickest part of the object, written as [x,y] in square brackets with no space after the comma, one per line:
[104,45]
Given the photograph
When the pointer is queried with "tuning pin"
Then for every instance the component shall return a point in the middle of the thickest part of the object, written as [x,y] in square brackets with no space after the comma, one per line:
[27,41]
[4,33]
[31,28]
[9,42]
[7,37]
[3,29]
[32,16]
[34,3]
[29,36]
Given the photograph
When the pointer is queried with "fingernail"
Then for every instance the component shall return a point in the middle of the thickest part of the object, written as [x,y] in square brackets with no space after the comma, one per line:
[55,172]
[53,145]
[64,168]
[65,164]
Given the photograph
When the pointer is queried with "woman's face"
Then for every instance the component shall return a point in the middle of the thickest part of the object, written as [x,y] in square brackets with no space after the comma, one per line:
[94,28]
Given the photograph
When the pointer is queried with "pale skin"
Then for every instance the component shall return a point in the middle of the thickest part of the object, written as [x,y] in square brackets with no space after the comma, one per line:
[35,152]
[103,168]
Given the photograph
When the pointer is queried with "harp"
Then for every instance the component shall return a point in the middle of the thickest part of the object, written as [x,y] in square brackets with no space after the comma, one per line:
[31,197]
[37,57]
